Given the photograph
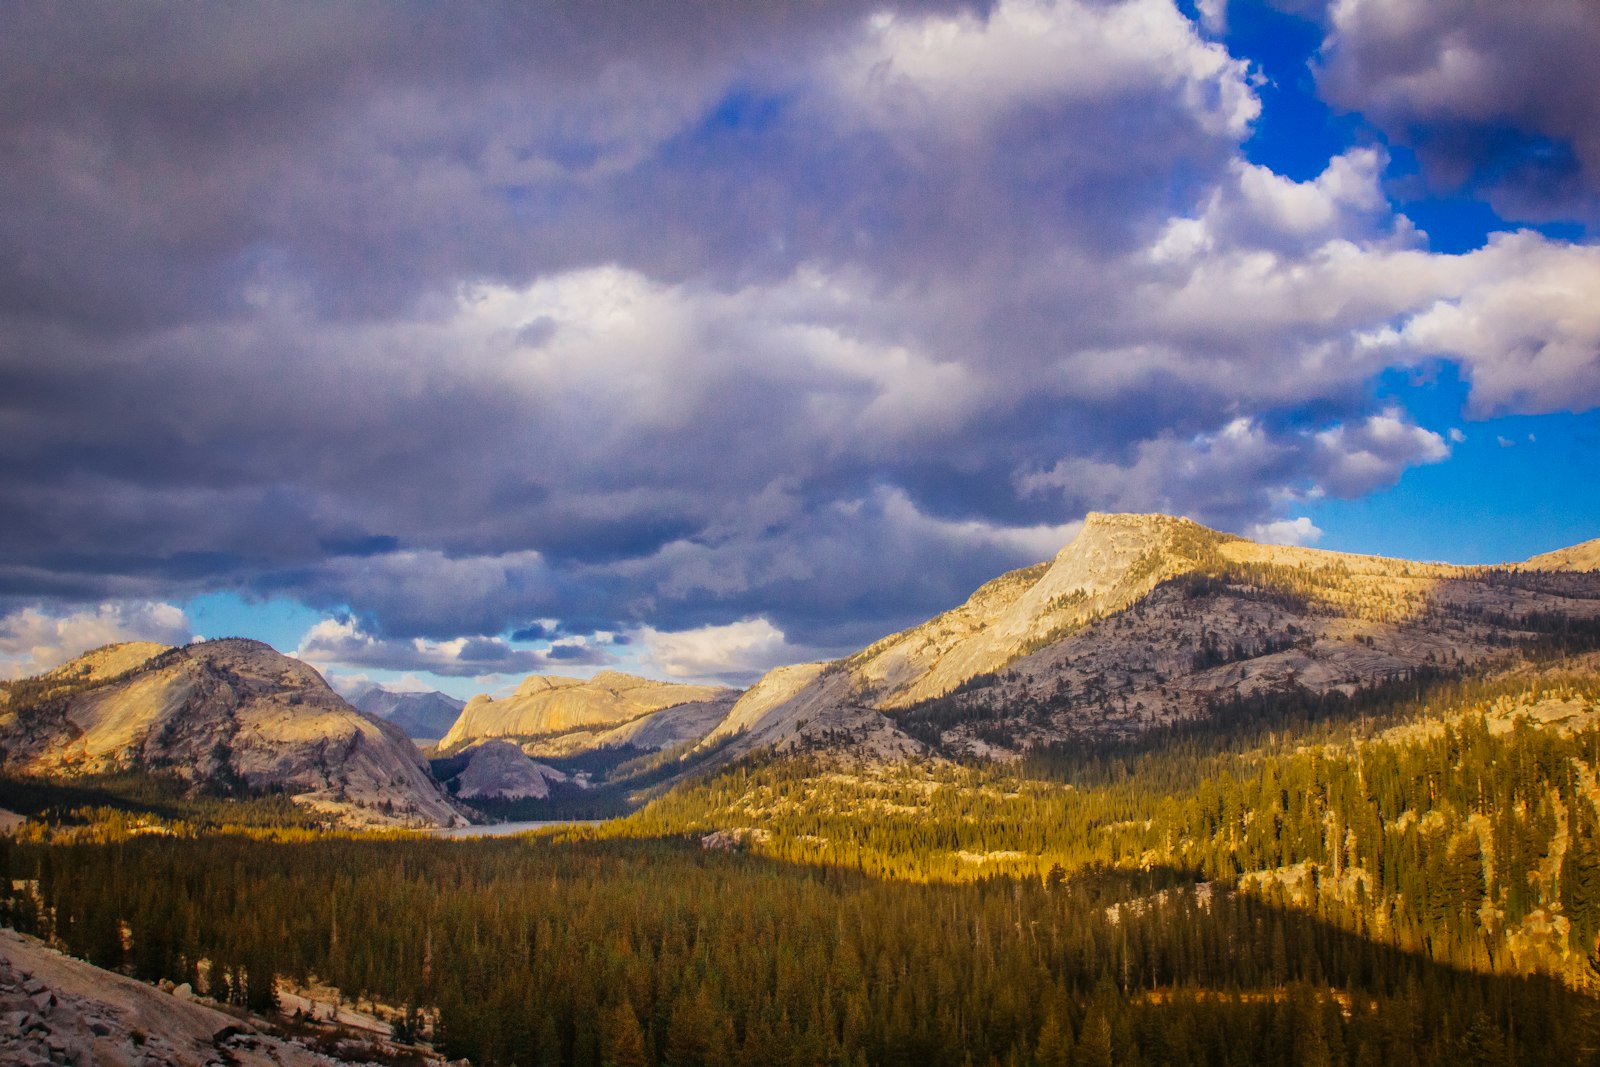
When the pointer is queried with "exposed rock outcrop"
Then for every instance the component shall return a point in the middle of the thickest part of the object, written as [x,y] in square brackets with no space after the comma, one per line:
[499,770]
[92,668]
[546,706]
[55,1010]
[230,715]
[669,726]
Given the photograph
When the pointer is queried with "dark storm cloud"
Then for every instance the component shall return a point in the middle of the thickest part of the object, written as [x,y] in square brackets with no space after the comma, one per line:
[160,160]
[710,317]
[1498,99]
[335,641]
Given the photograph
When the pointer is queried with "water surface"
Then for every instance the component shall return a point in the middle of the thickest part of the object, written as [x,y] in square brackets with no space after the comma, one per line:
[506,829]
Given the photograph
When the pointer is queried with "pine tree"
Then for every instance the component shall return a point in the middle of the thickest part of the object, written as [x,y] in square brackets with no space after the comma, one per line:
[621,1038]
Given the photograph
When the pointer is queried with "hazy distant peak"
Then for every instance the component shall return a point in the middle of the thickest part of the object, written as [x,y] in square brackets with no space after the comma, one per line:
[422,714]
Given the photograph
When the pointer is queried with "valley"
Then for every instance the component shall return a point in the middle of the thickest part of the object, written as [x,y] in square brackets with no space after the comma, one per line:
[1169,797]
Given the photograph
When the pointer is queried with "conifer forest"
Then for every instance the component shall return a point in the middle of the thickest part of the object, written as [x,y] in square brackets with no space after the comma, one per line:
[1412,876]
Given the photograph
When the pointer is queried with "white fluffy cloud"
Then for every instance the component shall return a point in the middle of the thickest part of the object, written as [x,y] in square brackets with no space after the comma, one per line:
[1522,315]
[964,70]
[1301,531]
[1356,458]
[737,651]
[1242,469]
[35,639]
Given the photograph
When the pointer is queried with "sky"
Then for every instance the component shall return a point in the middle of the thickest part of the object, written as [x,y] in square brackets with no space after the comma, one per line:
[441,345]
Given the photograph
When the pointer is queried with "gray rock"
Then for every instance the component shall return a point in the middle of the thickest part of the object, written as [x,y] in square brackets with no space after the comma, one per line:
[498,768]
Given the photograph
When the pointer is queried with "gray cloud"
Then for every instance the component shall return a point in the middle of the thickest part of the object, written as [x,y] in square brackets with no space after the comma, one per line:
[34,638]
[1498,98]
[343,642]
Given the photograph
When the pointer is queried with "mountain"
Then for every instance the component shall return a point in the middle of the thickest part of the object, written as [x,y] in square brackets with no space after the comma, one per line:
[552,715]
[498,770]
[423,716]
[228,716]
[1143,620]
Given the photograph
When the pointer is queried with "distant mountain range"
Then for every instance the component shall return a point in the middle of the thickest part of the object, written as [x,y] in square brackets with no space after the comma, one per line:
[1142,621]
[424,716]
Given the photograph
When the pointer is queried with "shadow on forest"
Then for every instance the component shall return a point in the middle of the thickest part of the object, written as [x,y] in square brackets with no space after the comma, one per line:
[539,951]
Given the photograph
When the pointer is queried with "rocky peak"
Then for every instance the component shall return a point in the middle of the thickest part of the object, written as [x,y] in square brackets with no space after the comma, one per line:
[1109,547]
[539,683]
[546,705]
[1114,560]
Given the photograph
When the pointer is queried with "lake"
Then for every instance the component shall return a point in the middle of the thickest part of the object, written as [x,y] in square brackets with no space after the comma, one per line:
[506,829]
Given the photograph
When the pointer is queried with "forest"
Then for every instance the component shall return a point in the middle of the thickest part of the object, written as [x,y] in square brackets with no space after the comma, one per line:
[1410,874]
[1449,825]
[662,952]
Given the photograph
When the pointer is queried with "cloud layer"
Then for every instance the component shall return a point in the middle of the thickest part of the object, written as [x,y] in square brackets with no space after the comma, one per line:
[34,640]
[804,317]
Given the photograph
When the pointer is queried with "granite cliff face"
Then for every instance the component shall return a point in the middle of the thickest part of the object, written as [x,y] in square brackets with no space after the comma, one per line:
[58,1010]
[93,667]
[1147,619]
[229,715]
[548,708]
[499,770]
[1113,562]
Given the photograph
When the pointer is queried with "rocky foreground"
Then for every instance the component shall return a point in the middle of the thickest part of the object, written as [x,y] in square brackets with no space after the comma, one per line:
[55,1010]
